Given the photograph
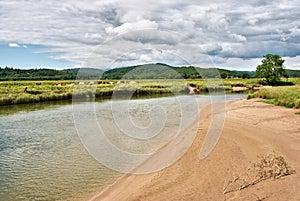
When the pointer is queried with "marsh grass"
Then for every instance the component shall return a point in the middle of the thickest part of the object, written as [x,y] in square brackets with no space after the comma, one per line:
[18,92]
[13,92]
[288,96]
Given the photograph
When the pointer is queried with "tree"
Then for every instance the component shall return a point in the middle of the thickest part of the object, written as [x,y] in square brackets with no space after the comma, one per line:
[271,68]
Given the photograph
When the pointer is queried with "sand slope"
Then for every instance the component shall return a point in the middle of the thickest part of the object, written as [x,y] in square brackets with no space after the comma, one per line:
[251,129]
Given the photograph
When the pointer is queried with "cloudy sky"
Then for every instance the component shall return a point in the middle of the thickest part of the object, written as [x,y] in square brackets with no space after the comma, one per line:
[109,33]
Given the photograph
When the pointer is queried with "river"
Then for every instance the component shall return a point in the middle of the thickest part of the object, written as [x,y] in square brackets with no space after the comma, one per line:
[42,156]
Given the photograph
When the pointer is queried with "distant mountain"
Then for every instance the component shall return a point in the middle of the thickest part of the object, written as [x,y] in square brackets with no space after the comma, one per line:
[164,71]
[146,71]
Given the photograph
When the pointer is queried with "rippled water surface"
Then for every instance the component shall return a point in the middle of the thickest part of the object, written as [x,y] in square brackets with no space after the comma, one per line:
[42,157]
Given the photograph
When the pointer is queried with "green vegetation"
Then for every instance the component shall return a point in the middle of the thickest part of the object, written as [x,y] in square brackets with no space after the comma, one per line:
[163,71]
[147,71]
[293,73]
[39,85]
[271,69]
[10,74]
[29,92]
[288,96]
[16,92]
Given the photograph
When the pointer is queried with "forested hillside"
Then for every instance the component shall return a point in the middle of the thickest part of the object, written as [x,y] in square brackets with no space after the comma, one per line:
[147,71]
[48,74]
[163,71]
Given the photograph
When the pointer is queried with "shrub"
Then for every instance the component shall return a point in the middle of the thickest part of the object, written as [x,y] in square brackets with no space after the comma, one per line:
[271,166]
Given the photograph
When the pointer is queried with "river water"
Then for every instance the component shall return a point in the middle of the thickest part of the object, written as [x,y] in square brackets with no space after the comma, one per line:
[42,156]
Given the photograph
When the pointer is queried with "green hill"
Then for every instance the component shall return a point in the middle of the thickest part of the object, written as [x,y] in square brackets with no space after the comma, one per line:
[163,71]
[146,71]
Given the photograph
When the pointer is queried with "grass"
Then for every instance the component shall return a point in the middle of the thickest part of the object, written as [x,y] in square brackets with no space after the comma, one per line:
[288,96]
[13,92]
[29,92]
[270,166]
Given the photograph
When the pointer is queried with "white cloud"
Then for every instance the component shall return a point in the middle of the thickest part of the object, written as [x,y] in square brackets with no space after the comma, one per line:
[241,64]
[132,26]
[252,21]
[292,62]
[145,58]
[14,45]
[199,31]
[17,45]
[211,48]
[238,37]
[296,65]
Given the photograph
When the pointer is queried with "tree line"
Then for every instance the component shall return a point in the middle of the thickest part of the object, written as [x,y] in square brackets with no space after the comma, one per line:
[271,69]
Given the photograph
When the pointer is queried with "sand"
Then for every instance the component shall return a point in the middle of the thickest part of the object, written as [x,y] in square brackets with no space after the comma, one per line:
[251,129]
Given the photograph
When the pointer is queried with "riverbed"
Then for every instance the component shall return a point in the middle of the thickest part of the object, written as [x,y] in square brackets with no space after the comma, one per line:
[42,156]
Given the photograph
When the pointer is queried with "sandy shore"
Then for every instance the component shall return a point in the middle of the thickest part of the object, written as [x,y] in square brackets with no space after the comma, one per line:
[251,129]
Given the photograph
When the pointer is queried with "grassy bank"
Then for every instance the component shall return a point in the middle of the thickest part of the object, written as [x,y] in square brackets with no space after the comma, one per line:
[18,92]
[288,96]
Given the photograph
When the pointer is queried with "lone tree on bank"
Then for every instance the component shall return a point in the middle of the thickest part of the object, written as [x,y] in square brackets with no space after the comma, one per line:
[271,68]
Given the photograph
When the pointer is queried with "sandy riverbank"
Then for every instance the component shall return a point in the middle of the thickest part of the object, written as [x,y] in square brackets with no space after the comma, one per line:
[251,129]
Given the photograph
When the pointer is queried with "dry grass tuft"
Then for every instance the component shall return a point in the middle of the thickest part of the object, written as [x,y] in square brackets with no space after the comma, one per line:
[270,166]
